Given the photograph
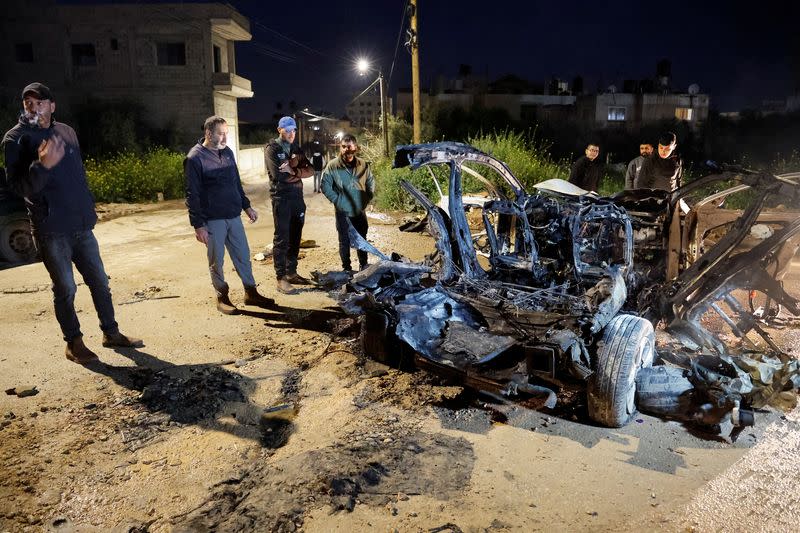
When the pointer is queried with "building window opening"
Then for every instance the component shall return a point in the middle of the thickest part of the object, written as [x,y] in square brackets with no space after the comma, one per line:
[616,114]
[114,44]
[684,113]
[217,59]
[24,52]
[83,55]
[171,54]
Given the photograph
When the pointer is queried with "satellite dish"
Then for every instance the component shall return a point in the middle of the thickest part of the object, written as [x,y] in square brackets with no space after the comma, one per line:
[694,89]
[612,89]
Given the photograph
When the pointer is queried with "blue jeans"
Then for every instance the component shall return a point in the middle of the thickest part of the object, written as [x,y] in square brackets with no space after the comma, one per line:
[59,251]
[228,233]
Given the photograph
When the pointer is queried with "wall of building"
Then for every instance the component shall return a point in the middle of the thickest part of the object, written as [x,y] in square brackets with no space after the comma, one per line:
[125,39]
[251,163]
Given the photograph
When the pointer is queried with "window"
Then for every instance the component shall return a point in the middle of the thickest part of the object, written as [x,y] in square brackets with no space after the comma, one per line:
[616,114]
[83,55]
[684,113]
[114,44]
[171,53]
[217,59]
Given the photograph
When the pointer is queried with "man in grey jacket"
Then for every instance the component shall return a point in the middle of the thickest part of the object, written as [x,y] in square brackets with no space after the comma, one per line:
[635,166]
[215,199]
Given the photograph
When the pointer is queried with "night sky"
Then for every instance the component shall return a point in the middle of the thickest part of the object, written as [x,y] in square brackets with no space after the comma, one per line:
[305,51]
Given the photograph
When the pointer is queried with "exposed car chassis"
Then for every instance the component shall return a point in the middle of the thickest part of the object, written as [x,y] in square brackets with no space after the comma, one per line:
[573,286]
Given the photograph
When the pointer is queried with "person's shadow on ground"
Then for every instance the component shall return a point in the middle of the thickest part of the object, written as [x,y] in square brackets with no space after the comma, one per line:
[197,394]
[209,395]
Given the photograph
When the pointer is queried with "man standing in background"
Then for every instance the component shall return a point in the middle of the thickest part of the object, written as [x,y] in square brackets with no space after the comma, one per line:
[215,199]
[635,166]
[286,167]
[349,184]
[588,170]
[663,170]
[318,162]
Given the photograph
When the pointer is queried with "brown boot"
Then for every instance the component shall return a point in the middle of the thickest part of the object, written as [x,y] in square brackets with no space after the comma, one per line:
[297,279]
[224,304]
[252,297]
[121,341]
[77,352]
[285,287]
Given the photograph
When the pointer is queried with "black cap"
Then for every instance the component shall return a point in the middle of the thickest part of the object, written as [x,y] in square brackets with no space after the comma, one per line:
[40,91]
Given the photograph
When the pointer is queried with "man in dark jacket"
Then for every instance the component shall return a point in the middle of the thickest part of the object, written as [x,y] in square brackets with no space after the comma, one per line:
[318,162]
[215,199]
[349,184]
[588,170]
[44,165]
[287,166]
[663,170]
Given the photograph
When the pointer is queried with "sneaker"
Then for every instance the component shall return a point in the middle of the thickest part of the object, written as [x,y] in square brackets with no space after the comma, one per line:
[77,352]
[119,340]
[297,279]
[285,287]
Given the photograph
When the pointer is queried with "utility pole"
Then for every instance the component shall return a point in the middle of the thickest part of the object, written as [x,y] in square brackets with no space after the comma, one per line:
[414,42]
[384,110]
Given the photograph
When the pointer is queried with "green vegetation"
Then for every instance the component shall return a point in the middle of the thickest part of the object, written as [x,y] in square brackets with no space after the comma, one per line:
[129,177]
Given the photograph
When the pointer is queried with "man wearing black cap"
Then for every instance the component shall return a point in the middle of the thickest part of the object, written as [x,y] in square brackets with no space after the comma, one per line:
[286,166]
[664,170]
[43,165]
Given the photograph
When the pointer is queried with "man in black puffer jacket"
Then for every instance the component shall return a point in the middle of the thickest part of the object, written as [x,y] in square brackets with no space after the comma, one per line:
[44,165]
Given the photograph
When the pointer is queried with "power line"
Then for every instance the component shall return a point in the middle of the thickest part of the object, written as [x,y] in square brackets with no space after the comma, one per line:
[397,44]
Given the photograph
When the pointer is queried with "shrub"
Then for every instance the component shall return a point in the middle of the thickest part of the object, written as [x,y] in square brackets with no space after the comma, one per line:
[128,177]
[529,161]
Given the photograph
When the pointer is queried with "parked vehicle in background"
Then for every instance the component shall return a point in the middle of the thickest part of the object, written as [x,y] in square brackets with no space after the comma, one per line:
[16,242]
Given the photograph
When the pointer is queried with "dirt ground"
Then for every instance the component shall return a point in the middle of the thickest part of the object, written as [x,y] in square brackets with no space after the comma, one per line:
[174,436]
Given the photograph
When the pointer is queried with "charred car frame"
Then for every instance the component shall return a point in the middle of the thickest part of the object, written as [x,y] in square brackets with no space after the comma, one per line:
[571,288]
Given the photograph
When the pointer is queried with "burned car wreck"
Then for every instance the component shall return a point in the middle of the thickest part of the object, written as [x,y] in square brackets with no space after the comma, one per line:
[568,296]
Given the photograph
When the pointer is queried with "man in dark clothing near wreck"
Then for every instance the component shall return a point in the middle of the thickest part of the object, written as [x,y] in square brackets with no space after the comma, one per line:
[44,165]
[318,162]
[664,170]
[287,166]
[215,199]
[588,170]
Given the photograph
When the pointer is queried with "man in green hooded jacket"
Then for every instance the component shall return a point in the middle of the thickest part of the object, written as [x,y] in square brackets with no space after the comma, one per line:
[348,183]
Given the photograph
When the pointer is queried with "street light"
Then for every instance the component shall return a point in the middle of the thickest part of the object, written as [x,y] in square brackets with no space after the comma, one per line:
[363,67]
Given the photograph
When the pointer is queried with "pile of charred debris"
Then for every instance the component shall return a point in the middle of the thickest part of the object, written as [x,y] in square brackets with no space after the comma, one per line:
[561,288]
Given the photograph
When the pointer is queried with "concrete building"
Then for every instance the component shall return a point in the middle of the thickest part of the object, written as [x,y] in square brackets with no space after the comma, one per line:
[177,60]
[631,111]
[518,106]
[365,111]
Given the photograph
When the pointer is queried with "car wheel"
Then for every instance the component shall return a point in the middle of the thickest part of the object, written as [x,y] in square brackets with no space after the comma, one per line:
[628,344]
[16,241]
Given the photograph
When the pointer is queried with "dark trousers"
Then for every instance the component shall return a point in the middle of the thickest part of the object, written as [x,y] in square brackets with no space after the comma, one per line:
[361,225]
[59,251]
[288,215]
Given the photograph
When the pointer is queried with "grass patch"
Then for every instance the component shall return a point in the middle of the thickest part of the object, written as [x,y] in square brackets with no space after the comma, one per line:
[129,177]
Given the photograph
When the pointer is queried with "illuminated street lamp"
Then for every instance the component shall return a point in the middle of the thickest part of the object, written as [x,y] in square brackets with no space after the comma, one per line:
[363,67]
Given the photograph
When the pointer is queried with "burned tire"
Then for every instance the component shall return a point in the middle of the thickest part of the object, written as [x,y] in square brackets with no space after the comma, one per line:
[375,341]
[16,241]
[628,344]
